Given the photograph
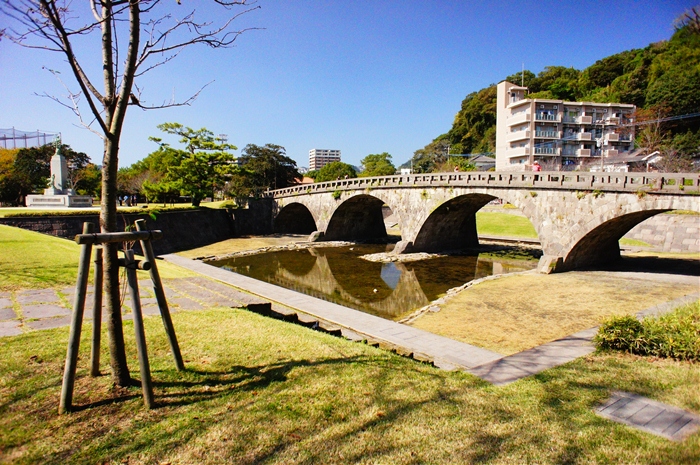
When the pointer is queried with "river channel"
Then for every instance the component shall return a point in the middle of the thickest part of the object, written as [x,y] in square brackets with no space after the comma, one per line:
[389,290]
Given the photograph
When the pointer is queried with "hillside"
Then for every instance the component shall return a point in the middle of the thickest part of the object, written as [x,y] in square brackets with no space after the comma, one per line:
[661,79]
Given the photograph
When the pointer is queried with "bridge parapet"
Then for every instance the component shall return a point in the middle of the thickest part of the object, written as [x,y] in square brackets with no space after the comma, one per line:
[671,183]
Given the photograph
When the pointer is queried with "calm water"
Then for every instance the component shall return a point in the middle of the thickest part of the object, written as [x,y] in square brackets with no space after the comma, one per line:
[389,290]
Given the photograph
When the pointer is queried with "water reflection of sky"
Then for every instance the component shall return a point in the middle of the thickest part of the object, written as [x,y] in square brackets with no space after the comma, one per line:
[390,274]
[389,290]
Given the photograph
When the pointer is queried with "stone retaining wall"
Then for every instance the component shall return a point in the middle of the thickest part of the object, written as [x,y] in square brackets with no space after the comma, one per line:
[182,230]
[669,232]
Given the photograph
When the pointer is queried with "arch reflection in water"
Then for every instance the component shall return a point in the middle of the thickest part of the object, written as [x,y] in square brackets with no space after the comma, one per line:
[339,275]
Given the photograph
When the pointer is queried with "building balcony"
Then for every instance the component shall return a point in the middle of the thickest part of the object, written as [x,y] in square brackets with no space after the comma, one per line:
[585,119]
[518,118]
[517,135]
[612,120]
[612,137]
[584,136]
[546,117]
[612,153]
[576,153]
[517,152]
[547,134]
[547,151]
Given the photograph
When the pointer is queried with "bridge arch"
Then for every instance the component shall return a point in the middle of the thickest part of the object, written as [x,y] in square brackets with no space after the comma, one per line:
[294,218]
[358,218]
[447,221]
[601,244]
[452,225]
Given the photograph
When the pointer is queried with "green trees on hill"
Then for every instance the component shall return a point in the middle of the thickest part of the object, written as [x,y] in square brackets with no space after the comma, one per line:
[377,164]
[663,77]
[335,170]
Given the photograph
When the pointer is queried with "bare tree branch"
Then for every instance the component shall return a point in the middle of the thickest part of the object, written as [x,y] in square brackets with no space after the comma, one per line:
[136,100]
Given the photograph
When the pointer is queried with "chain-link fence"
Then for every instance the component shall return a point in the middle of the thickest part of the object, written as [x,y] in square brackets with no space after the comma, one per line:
[15,139]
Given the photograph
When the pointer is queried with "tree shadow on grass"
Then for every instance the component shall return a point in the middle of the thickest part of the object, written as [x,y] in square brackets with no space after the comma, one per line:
[239,377]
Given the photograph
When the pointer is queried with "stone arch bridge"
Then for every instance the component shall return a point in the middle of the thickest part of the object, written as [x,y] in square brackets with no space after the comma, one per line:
[579,217]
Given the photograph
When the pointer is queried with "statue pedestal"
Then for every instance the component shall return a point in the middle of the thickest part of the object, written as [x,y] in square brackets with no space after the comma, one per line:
[56,201]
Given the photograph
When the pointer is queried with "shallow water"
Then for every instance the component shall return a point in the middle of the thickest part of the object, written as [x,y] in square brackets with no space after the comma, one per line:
[389,290]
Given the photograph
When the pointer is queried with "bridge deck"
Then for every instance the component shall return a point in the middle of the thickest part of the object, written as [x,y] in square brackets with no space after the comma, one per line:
[666,183]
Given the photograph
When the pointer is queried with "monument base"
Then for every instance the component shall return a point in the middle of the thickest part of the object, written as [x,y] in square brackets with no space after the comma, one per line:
[59,201]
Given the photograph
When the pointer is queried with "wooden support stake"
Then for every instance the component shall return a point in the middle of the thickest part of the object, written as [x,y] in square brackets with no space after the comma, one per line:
[76,324]
[144,366]
[104,238]
[160,297]
[96,315]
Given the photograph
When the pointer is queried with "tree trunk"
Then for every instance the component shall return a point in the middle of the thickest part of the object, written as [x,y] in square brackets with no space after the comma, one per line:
[108,223]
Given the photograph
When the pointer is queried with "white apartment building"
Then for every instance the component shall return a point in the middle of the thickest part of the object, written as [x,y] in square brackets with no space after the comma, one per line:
[558,134]
[321,157]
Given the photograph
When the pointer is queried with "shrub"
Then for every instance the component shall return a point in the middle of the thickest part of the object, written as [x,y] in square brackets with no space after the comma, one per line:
[619,333]
[674,335]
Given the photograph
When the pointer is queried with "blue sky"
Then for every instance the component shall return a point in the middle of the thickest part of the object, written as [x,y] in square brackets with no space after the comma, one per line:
[360,76]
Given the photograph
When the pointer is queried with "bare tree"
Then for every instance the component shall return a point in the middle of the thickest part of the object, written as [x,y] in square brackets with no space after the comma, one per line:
[146,35]
[651,135]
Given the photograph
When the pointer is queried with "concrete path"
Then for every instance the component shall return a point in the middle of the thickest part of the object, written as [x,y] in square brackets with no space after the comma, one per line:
[650,416]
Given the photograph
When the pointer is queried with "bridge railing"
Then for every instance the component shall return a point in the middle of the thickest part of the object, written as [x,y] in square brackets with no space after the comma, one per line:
[673,183]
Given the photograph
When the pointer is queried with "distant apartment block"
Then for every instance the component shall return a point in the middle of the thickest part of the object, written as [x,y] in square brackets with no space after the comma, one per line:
[318,158]
[558,134]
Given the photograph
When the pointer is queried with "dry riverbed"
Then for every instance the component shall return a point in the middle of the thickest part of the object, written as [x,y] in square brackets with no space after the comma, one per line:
[516,312]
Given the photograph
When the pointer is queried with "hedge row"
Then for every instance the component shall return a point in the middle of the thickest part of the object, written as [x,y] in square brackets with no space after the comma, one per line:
[674,335]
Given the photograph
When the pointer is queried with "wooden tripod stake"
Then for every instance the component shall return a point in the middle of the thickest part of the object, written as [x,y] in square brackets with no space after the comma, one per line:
[87,240]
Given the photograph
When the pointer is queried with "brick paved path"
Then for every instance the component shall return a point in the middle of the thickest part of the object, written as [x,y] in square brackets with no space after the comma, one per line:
[27,310]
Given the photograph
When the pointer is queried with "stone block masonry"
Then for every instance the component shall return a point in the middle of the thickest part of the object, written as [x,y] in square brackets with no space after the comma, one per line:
[182,230]
[669,232]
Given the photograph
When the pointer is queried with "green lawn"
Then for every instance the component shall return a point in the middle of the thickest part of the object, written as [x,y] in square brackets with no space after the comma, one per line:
[30,260]
[504,224]
[258,390]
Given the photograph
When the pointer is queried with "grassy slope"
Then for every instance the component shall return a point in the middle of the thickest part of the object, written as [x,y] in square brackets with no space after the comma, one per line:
[262,391]
[30,260]
[504,224]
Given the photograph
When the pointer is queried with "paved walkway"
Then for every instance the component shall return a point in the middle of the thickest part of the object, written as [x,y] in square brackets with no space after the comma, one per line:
[650,416]
[49,308]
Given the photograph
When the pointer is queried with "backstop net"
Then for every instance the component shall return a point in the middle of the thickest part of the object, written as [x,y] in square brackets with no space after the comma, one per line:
[15,139]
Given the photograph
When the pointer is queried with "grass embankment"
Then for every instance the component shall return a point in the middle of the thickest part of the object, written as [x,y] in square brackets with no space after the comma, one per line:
[262,391]
[673,335]
[30,260]
[241,244]
[504,224]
